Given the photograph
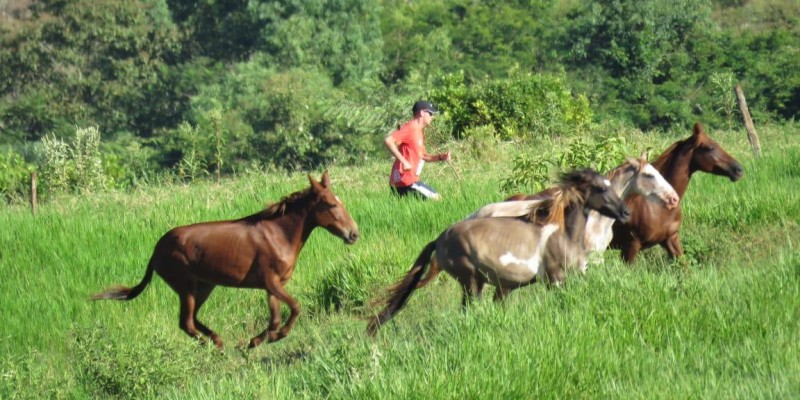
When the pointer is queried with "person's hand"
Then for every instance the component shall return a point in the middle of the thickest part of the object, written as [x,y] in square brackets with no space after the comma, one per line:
[406,165]
[445,156]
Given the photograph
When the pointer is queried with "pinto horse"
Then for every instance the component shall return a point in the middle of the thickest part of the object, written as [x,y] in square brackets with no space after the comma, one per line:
[509,253]
[652,224]
[635,176]
[257,251]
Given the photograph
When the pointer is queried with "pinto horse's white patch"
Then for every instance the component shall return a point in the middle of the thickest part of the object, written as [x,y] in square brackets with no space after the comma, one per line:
[535,260]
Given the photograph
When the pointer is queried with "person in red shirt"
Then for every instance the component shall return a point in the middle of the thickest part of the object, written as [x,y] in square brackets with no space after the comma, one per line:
[407,145]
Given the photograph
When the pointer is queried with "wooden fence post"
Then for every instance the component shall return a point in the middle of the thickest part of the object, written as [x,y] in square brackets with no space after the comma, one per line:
[752,136]
[34,201]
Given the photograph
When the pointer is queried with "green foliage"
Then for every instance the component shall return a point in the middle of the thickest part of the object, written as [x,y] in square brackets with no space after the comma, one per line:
[18,375]
[114,369]
[342,37]
[89,63]
[76,166]
[54,164]
[529,174]
[14,177]
[343,287]
[524,106]
[483,39]
[349,68]
[723,95]
[533,173]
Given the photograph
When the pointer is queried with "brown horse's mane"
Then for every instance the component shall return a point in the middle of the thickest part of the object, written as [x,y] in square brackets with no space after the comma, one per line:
[279,208]
[551,210]
[669,156]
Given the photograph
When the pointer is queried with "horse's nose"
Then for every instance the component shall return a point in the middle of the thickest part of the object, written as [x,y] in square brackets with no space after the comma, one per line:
[352,237]
[624,214]
[672,201]
[736,172]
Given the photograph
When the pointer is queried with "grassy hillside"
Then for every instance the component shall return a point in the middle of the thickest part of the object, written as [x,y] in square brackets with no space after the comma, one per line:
[724,322]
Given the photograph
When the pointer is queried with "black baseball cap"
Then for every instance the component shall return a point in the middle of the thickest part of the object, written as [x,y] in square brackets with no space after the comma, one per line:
[423,105]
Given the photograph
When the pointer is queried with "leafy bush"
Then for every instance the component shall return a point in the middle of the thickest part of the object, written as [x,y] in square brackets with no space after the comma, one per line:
[28,378]
[15,175]
[125,368]
[524,106]
[76,166]
[533,174]
[346,286]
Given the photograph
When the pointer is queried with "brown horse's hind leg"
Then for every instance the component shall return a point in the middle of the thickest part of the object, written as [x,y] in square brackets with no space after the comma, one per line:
[202,292]
[186,319]
[186,289]
[275,287]
[275,312]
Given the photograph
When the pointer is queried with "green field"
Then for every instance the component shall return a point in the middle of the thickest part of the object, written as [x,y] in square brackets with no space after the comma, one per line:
[723,322]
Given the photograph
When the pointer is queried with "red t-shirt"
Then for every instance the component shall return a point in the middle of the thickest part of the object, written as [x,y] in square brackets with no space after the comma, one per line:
[410,142]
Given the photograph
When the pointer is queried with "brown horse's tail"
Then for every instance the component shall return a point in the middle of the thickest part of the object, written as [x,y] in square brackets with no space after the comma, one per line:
[401,291]
[126,293]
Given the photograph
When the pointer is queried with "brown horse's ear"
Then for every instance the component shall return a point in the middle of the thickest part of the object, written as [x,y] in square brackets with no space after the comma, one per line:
[314,184]
[698,129]
[326,180]
[643,156]
[635,162]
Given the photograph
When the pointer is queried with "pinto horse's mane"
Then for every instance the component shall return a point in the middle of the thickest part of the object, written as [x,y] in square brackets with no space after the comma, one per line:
[551,210]
[279,208]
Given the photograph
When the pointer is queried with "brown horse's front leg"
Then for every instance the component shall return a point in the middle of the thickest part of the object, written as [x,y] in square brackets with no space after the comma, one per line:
[673,246]
[631,250]
[276,290]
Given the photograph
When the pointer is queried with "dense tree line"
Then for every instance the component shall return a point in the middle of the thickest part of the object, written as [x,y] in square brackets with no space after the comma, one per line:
[221,85]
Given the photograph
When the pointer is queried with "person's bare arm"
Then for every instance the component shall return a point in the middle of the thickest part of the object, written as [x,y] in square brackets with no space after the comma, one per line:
[391,145]
[436,157]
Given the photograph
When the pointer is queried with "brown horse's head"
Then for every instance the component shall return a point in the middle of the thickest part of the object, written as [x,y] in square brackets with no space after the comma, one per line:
[330,213]
[709,156]
[596,191]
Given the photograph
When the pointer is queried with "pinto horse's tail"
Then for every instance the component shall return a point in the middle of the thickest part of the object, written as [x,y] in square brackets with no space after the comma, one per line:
[401,291]
[126,293]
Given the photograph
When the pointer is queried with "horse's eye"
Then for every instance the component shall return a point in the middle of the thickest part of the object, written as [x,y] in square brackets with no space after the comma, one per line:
[649,176]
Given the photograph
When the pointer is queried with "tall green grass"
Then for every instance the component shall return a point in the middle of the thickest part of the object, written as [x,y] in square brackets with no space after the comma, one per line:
[724,322]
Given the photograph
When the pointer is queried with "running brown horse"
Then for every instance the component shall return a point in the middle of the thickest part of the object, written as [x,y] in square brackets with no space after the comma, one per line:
[650,224]
[507,252]
[258,251]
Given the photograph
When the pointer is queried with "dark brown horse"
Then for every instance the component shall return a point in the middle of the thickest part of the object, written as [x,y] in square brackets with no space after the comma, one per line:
[651,224]
[258,251]
[511,252]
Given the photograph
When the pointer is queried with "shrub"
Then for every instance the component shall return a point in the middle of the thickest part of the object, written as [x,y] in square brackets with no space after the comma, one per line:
[531,174]
[76,166]
[123,368]
[523,106]
[14,177]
